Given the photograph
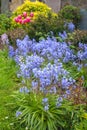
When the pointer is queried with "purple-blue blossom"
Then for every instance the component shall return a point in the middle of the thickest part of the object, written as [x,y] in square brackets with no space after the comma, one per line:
[24,90]
[71,27]
[11,52]
[18,113]
[63,35]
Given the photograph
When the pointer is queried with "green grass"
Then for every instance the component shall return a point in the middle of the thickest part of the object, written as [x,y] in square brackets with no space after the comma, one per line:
[8,83]
[8,71]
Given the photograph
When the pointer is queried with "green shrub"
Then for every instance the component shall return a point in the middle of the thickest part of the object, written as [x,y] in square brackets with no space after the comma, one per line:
[42,25]
[78,36]
[70,13]
[17,33]
[4,23]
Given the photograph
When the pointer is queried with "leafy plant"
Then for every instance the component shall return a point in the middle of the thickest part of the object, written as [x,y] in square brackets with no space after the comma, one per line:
[14,34]
[5,23]
[70,13]
[31,112]
[29,6]
[42,26]
[77,36]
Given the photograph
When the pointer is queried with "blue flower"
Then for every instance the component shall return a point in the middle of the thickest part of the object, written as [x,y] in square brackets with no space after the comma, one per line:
[34,84]
[68,92]
[24,90]
[11,51]
[18,113]
[44,100]
[46,108]
[63,35]
[71,27]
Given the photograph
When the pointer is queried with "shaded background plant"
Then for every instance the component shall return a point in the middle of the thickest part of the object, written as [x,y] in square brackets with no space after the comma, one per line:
[77,36]
[16,33]
[70,13]
[5,23]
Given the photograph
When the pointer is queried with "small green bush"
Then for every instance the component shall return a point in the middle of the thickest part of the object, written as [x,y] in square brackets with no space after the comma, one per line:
[4,23]
[44,24]
[70,13]
[17,33]
[78,36]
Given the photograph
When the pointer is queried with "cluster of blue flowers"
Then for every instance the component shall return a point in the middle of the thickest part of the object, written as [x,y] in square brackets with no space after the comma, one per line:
[44,61]
[45,104]
[82,53]
[70,26]
[81,57]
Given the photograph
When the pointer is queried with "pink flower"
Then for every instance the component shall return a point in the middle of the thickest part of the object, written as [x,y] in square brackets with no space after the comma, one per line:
[16,19]
[19,17]
[31,14]
[24,18]
[25,14]
[28,19]
[20,21]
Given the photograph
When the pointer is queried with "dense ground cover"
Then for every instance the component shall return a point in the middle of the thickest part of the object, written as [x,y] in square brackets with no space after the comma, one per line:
[43,75]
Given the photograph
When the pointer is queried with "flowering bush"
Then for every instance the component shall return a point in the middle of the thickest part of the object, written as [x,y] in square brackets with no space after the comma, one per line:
[47,69]
[43,15]
[43,72]
[28,6]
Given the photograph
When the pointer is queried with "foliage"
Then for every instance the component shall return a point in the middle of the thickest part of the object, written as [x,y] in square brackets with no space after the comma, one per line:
[17,33]
[70,13]
[78,118]
[42,25]
[33,115]
[78,36]
[8,83]
[28,6]
[82,125]
[4,23]
[7,71]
